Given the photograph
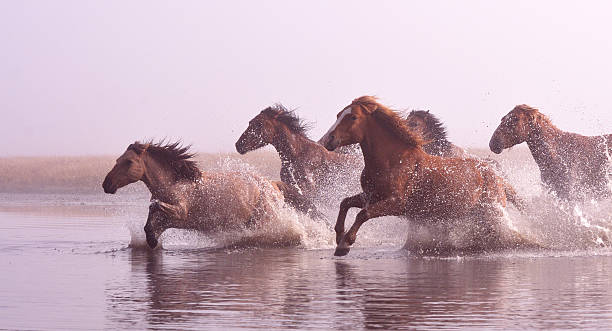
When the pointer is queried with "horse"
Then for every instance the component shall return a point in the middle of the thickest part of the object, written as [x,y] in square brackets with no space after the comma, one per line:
[436,143]
[434,133]
[184,197]
[305,164]
[400,179]
[571,165]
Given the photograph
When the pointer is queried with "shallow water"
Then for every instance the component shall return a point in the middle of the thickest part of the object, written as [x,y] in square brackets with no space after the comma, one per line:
[66,264]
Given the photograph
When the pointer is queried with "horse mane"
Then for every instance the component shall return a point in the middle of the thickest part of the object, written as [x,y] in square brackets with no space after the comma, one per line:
[390,120]
[174,154]
[435,129]
[287,117]
[536,115]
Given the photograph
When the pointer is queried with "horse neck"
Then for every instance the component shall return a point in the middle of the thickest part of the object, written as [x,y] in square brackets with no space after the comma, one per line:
[289,145]
[542,142]
[158,178]
[437,145]
[380,147]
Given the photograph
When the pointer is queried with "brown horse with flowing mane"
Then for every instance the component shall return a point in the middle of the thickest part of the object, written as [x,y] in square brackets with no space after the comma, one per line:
[434,133]
[400,179]
[184,197]
[305,164]
[571,165]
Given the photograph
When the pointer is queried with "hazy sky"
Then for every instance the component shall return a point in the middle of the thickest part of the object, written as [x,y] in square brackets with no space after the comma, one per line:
[90,77]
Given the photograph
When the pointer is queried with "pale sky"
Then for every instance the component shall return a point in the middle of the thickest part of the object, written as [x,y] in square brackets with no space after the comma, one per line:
[90,77]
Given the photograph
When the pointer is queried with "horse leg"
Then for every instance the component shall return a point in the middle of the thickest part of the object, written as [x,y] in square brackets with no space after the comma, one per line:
[385,207]
[172,211]
[346,204]
[297,200]
[514,198]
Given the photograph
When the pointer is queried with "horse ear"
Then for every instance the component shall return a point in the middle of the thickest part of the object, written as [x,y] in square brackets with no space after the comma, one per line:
[369,108]
[427,112]
[138,148]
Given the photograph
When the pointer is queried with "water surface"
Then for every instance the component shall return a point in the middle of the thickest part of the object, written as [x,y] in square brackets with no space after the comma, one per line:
[66,264]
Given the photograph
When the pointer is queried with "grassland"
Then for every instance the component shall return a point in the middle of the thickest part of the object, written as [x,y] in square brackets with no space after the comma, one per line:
[84,174]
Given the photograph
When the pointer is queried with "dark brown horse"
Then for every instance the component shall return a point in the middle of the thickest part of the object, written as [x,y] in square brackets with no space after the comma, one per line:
[434,133]
[184,197]
[400,179]
[436,142]
[571,165]
[305,164]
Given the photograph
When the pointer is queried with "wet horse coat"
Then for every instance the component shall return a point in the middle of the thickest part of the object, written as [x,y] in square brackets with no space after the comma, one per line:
[305,164]
[434,134]
[400,179]
[184,197]
[573,166]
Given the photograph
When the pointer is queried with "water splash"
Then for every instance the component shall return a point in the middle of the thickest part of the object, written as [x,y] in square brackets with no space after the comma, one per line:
[548,223]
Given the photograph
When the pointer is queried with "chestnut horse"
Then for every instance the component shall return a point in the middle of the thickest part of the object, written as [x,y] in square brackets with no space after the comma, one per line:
[434,133]
[305,164]
[571,165]
[400,179]
[184,197]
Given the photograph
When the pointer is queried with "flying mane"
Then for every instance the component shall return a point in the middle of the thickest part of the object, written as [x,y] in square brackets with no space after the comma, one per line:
[288,117]
[389,119]
[436,132]
[176,156]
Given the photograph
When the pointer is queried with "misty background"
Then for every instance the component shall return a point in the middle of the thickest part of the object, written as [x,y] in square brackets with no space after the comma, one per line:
[90,77]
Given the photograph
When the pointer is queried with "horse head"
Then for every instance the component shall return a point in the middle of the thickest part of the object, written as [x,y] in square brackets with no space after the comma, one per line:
[259,133]
[271,126]
[417,121]
[129,168]
[350,125]
[514,128]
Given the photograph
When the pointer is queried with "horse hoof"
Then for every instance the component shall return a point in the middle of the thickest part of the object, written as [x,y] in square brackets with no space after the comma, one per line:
[152,242]
[341,251]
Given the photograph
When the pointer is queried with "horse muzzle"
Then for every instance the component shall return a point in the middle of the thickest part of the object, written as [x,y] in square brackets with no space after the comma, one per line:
[108,186]
[495,146]
[240,148]
[329,142]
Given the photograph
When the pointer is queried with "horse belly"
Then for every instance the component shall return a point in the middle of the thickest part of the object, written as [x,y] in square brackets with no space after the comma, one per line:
[226,205]
[445,196]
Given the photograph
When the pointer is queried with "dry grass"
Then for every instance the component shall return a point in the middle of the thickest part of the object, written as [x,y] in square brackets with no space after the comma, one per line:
[84,174]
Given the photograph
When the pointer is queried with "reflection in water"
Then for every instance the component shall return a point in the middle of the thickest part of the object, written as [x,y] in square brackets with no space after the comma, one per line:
[309,290]
[73,272]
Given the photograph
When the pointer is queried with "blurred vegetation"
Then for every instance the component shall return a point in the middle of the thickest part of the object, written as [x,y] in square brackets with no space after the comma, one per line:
[84,174]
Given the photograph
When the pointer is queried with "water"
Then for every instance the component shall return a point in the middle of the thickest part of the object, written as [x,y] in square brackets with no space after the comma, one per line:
[66,263]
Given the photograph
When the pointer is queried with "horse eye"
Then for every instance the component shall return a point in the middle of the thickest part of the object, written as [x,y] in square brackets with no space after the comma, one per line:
[352,117]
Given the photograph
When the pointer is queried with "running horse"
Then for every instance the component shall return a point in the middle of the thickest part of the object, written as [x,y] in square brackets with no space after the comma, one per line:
[184,197]
[434,133]
[436,141]
[305,165]
[400,179]
[571,165]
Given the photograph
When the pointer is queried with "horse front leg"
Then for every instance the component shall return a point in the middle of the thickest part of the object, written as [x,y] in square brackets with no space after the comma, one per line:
[385,207]
[178,211]
[358,201]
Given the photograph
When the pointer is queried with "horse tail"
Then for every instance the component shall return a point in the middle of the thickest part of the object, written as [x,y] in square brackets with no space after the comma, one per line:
[514,198]
[297,200]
